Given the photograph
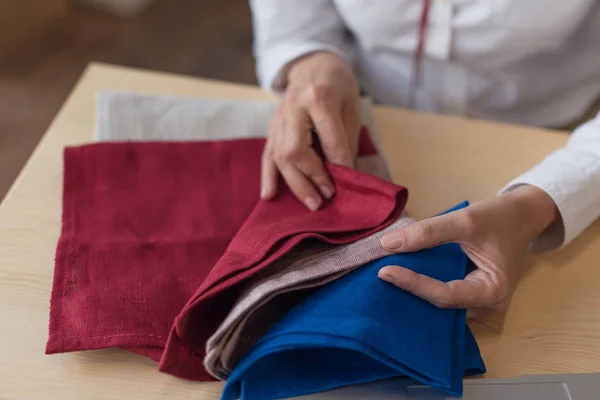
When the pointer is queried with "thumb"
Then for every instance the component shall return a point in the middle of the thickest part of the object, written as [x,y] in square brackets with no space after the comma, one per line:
[473,291]
[424,234]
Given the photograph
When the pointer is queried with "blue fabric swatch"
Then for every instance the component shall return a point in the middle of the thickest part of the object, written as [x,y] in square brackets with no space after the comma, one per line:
[361,329]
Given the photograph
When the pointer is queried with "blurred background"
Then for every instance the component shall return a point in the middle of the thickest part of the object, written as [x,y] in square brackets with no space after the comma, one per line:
[46,44]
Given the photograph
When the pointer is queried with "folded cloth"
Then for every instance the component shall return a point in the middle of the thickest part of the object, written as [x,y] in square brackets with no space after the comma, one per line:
[124,116]
[157,232]
[270,231]
[360,329]
[134,117]
[267,296]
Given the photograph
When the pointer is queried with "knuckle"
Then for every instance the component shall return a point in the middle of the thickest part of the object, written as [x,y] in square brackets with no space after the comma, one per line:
[424,233]
[320,178]
[291,152]
[469,222]
[499,293]
[267,155]
[495,293]
[442,303]
[290,99]
[503,305]
[286,154]
[279,158]
[337,154]
[268,150]
[410,286]
[320,93]
[315,169]
[301,189]
[498,290]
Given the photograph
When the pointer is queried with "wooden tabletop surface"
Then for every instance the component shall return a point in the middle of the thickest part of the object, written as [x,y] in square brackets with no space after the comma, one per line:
[553,325]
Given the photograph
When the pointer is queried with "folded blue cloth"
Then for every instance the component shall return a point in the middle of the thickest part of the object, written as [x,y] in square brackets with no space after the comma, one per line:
[361,329]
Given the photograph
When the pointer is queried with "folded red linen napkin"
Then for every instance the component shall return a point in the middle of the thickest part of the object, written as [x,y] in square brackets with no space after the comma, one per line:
[158,239]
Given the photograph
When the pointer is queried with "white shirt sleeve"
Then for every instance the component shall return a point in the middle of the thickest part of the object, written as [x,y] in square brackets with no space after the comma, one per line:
[571,176]
[287,29]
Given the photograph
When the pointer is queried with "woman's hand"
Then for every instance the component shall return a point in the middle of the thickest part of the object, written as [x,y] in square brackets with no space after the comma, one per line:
[322,94]
[494,233]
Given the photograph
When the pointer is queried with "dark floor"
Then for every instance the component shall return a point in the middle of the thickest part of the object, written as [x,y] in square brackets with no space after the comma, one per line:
[195,37]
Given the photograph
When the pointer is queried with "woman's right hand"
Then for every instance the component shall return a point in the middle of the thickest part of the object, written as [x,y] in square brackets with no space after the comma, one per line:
[322,94]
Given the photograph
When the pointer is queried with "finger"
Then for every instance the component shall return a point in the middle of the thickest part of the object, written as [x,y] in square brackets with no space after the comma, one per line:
[302,188]
[294,148]
[466,293]
[269,174]
[428,233]
[269,177]
[290,144]
[294,138]
[326,115]
[297,147]
[311,165]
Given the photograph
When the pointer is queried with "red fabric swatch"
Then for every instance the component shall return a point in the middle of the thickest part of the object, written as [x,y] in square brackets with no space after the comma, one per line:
[157,239]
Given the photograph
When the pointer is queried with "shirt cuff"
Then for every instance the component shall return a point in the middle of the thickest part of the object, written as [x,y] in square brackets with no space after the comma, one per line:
[553,237]
[274,64]
[567,176]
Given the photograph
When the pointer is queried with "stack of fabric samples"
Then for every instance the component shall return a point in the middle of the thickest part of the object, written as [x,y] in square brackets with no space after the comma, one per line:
[166,251]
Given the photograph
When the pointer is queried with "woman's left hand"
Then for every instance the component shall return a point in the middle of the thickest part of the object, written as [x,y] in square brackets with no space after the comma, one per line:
[494,233]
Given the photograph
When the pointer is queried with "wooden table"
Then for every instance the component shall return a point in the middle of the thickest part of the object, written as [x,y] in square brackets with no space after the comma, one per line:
[553,324]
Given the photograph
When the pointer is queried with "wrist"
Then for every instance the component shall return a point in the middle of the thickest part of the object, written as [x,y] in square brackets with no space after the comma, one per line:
[316,66]
[535,208]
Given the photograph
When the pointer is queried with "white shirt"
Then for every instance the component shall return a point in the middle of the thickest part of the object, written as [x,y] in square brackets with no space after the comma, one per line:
[529,62]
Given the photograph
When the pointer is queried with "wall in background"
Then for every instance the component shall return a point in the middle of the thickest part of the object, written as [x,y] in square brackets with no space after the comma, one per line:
[206,38]
[123,8]
[19,19]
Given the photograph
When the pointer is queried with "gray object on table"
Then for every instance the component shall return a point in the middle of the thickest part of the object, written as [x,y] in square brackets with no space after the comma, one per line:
[529,387]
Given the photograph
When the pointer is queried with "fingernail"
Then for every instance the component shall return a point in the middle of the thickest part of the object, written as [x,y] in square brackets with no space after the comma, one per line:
[391,242]
[312,203]
[387,278]
[326,191]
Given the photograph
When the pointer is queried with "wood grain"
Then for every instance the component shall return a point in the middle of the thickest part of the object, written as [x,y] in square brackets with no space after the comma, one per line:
[552,326]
